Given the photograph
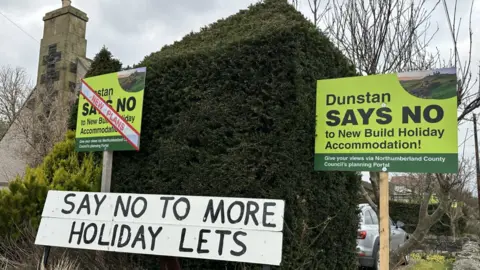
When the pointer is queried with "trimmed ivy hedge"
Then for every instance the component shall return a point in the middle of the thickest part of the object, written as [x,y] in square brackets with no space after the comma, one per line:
[230,111]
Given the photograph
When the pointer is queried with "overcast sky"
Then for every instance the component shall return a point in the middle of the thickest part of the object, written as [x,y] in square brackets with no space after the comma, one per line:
[134,29]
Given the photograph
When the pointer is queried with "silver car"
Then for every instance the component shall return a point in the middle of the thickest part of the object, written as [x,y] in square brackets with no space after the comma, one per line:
[368,237]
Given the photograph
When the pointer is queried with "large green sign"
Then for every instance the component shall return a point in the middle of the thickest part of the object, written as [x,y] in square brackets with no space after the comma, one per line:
[404,122]
[109,115]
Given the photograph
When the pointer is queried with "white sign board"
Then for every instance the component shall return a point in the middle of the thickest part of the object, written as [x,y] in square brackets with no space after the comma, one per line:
[228,229]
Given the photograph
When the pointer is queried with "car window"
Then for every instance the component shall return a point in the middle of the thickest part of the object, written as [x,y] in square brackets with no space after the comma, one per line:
[374,216]
[368,218]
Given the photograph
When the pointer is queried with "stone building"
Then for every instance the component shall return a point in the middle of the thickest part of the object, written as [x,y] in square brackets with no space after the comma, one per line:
[62,63]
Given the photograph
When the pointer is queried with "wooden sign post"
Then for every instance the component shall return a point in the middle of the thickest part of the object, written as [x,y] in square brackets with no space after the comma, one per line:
[398,122]
[384,221]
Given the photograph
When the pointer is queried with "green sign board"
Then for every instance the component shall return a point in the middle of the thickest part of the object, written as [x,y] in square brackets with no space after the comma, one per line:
[109,115]
[405,122]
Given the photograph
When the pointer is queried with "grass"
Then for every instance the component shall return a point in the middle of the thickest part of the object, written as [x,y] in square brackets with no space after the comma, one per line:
[426,265]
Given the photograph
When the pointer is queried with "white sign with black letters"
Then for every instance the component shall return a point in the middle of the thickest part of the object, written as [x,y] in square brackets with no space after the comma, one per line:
[229,229]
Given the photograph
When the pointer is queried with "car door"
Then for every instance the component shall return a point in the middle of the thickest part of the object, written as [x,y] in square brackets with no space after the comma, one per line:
[393,234]
[396,236]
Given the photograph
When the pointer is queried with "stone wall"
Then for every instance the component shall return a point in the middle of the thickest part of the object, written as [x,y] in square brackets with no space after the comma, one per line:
[469,257]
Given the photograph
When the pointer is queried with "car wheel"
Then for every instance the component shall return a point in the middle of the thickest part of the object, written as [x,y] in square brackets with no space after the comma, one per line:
[376,265]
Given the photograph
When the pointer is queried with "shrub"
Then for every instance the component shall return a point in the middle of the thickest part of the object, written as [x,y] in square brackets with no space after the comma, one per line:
[230,111]
[432,261]
[408,214]
[61,169]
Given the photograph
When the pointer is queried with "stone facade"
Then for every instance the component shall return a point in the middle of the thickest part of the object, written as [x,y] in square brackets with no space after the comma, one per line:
[62,63]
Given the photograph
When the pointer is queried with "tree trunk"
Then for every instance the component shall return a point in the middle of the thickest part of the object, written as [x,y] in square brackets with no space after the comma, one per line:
[424,224]
[453,228]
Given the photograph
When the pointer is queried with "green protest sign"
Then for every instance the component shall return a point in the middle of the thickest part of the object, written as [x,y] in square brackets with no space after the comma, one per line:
[110,111]
[404,122]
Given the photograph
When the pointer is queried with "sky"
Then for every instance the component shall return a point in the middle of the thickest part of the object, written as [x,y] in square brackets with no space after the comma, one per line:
[133,29]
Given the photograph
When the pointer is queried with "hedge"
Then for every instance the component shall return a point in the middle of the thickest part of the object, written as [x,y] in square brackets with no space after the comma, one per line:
[408,214]
[230,111]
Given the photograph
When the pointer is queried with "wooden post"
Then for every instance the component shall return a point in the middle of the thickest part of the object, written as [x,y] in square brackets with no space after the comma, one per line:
[44,260]
[384,222]
[107,171]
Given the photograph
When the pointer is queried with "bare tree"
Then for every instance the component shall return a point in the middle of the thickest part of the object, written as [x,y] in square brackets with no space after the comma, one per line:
[382,36]
[14,88]
[43,121]
[317,10]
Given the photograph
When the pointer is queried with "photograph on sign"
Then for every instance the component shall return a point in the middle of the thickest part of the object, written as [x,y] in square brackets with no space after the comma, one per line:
[218,228]
[109,112]
[405,122]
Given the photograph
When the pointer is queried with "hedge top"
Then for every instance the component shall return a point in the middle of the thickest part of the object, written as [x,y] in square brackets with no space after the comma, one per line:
[258,20]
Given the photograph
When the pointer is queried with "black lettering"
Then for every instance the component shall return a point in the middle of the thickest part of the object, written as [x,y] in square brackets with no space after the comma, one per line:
[222,234]
[210,209]
[427,116]
[121,237]
[166,199]
[366,114]
[240,215]
[154,236]
[79,232]
[98,202]
[131,103]
[182,240]
[93,235]
[121,105]
[349,118]
[120,204]
[252,212]
[201,240]
[102,231]
[331,99]
[140,237]
[144,207]
[84,204]
[187,208]
[240,243]
[385,117]
[266,213]
[85,109]
[333,117]
[72,205]
[407,113]
[114,236]
[92,111]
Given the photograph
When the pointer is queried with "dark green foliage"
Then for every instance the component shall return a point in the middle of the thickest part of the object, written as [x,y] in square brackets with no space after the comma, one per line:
[62,169]
[408,214]
[230,111]
[103,63]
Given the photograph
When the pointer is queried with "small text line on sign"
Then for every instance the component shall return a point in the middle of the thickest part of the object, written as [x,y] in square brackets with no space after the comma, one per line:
[229,229]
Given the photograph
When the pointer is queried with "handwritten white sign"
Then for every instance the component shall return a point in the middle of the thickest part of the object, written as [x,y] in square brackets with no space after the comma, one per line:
[230,229]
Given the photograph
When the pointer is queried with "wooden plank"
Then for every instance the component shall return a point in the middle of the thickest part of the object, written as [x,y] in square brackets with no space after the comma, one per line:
[384,222]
